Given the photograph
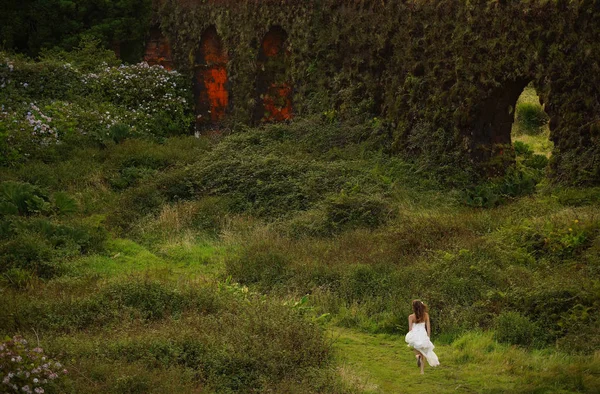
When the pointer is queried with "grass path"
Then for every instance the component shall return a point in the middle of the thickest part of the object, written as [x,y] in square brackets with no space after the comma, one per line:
[384,364]
[377,363]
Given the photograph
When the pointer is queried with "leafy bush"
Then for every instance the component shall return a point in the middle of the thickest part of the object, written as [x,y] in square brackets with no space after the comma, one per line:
[258,265]
[29,252]
[538,162]
[145,300]
[64,203]
[250,349]
[516,329]
[361,282]
[522,149]
[556,241]
[50,101]
[61,24]
[345,211]
[37,244]
[528,158]
[27,370]
[530,118]
[575,197]
[18,198]
[131,176]
[518,181]
[17,278]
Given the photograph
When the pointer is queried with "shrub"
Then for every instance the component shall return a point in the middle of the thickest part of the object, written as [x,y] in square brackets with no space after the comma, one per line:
[130,176]
[516,329]
[153,300]
[49,103]
[250,349]
[258,264]
[29,251]
[17,278]
[27,370]
[557,241]
[522,149]
[345,211]
[64,203]
[576,197]
[42,246]
[18,198]
[209,213]
[360,282]
[530,118]
[518,181]
[538,162]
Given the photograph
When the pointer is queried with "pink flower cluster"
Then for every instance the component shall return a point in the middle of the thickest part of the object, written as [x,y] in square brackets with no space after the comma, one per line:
[24,370]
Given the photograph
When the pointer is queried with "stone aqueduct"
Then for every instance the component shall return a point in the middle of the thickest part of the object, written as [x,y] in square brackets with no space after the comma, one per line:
[444,74]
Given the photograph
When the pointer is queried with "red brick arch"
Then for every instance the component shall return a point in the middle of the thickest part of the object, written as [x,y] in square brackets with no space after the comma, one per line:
[273,87]
[210,80]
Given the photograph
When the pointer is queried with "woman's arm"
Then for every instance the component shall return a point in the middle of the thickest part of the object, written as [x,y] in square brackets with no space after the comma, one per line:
[410,323]
[428,326]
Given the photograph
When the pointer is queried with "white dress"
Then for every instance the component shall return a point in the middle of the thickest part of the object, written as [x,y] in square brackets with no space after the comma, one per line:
[418,339]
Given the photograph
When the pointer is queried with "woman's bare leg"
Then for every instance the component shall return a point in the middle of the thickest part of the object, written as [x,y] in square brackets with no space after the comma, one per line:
[421,360]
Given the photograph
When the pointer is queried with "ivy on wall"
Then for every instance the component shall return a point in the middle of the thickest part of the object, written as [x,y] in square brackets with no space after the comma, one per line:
[442,73]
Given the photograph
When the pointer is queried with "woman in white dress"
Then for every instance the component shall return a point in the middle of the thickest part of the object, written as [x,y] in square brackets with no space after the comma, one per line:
[419,331]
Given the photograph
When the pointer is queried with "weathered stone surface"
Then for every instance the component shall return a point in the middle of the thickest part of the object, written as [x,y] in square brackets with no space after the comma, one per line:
[443,74]
[158,50]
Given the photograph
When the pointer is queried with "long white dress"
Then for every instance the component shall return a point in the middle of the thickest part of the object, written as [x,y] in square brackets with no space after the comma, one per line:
[418,339]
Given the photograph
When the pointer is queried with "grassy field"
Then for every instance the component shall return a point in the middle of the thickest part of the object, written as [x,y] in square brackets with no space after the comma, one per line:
[475,363]
[537,134]
[283,259]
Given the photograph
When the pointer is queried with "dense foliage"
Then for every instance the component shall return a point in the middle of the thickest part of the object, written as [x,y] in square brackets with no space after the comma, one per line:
[155,261]
[46,104]
[444,76]
[33,25]
[26,369]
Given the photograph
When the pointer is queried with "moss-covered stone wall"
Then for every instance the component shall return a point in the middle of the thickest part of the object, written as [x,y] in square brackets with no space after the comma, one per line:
[445,74]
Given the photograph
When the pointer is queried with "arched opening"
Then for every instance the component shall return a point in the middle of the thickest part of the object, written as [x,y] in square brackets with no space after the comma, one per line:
[512,126]
[210,80]
[158,50]
[273,88]
[530,131]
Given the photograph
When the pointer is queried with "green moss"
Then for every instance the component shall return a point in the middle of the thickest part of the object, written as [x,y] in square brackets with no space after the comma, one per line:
[441,64]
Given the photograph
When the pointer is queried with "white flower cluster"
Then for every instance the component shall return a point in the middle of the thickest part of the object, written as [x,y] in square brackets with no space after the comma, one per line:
[143,97]
[11,67]
[144,88]
[26,370]
[40,124]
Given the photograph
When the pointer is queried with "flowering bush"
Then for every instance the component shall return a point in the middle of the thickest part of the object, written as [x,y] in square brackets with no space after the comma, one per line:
[50,102]
[26,370]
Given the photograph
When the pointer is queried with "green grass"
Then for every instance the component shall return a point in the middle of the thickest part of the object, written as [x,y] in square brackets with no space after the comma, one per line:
[475,363]
[124,257]
[539,141]
[220,238]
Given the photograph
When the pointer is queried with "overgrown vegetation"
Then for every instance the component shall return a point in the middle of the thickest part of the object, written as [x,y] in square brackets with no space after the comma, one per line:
[39,25]
[156,262]
[440,75]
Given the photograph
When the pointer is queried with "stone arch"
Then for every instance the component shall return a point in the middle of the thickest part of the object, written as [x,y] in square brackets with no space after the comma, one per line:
[274,90]
[210,80]
[158,49]
[493,125]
